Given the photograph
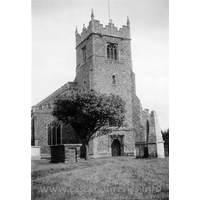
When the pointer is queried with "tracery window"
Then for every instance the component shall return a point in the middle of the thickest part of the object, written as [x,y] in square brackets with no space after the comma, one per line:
[112,50]
[53,133]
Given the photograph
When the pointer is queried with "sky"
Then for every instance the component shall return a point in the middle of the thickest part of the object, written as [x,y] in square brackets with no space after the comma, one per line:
[54,55]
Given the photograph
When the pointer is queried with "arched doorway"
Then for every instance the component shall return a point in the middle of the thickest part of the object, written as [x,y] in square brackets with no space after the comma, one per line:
[116,150]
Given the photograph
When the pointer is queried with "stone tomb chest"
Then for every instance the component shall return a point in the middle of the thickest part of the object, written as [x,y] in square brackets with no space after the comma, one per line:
[65,153]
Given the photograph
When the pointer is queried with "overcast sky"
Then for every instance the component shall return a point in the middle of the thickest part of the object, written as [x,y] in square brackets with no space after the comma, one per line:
[53,45]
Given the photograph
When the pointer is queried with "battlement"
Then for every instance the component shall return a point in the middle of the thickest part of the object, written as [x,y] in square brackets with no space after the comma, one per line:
[147,113]
[97,28]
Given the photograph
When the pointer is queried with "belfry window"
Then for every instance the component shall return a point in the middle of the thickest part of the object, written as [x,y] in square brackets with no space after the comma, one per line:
[112,51]
[84,54]
[53,133]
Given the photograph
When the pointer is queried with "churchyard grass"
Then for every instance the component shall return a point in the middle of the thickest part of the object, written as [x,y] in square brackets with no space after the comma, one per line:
[113,178]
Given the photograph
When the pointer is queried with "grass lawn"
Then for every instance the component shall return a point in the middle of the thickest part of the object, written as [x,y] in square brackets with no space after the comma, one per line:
[106,178]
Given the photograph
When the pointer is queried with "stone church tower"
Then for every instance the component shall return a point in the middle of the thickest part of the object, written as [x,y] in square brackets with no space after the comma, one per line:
[104,64]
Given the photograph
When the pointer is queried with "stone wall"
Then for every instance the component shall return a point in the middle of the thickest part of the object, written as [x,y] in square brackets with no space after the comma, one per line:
[102,145]
[41,119]
[104,69]
[98,70]
[42,116]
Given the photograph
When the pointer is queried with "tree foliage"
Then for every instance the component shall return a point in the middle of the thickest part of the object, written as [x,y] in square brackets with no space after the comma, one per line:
[89,113]
[165,134]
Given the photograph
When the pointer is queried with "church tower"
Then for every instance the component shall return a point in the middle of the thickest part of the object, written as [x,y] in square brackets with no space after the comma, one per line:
[104,64]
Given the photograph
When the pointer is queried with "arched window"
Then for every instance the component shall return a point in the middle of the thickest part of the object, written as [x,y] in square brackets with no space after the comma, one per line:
[53,133]
[112,51]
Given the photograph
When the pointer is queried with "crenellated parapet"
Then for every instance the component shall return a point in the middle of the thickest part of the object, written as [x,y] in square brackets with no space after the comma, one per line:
[95,27]
[145,113]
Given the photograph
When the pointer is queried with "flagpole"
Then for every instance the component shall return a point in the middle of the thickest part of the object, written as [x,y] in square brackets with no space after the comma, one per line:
[109,9]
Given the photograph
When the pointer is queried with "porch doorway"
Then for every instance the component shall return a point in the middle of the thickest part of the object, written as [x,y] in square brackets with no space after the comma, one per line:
[116,150]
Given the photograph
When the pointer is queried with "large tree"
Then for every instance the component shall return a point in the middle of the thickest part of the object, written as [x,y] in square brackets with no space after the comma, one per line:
[89,113]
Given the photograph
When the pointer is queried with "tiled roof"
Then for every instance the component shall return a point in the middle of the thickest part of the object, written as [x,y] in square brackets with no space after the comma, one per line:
[67,86]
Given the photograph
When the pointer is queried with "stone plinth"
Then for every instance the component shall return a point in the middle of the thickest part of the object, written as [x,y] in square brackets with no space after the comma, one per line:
[65,153]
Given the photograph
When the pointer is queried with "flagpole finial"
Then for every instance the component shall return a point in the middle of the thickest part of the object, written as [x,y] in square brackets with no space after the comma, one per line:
[128,21]
[92,14]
